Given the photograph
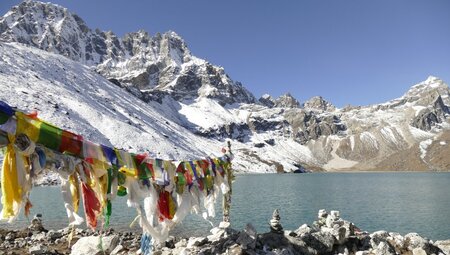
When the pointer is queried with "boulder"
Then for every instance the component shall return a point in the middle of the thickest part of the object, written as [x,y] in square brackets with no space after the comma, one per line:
[39,237]
[53,235]
[247,238]
[90,245]
[37,249]
[234,250]
[444,246]
[414,240]
[116,250]
[419,251]
[197,241]
[320,242]
[384,248]
[377,237]
[303,230]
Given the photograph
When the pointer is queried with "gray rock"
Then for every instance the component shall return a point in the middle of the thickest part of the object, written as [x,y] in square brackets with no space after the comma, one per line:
[443,245]
[419,251]
[181,243]
[335,214]
[303,230]
[53,235]
[377,237]
[320,242]
[116,250]
[234,250]
[216,234]
[224,225]
[90,245]
[247,238]
[10,236]
[317,103]
[197,241]
[284,251]
[39,237]
[37,249]
[414,240]
[384,248]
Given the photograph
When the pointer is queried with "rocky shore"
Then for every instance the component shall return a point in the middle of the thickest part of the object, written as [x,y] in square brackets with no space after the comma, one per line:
[329,234]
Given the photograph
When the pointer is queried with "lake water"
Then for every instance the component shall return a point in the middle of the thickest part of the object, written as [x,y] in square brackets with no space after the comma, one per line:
[398,202]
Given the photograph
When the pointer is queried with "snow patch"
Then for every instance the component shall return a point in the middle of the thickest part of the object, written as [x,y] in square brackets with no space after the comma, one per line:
[418,108]
[352,142]
[368,138]
[419,134]
[388,134]
[423,148]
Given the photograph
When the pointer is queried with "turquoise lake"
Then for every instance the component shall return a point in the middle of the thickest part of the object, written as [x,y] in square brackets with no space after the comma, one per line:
[401,202]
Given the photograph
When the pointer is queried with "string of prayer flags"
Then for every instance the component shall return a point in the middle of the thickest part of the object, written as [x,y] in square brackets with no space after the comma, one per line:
[95,174]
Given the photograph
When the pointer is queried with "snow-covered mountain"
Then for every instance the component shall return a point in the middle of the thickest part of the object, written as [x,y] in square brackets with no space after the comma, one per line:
[161,63]
[149,93]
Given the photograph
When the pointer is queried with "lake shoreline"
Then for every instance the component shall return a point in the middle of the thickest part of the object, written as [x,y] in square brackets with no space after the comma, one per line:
[54,180]
[329,234]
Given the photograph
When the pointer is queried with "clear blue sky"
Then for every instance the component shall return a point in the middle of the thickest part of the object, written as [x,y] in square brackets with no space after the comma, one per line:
[349,51]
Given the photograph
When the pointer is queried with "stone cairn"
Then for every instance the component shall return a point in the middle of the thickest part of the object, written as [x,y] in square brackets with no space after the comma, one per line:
[275,226]
[36,224]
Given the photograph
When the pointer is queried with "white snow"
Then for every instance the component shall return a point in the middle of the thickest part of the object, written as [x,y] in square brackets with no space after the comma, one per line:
[442,142]
[420,134]
[423,148]
[102,112]
[368,138]
[352,142]
[388,134]
[32,79]
[418,108]
[207,113]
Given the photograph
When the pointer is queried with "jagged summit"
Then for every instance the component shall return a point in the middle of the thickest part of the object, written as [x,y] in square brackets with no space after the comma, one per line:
[160,63]
[427,91]
[52,28]
[287,100]
[267,100]
[317,103]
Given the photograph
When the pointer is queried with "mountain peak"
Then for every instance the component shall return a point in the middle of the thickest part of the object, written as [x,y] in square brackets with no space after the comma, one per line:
[162,63]
[287,100]
[319,104]
[52,28]
[267,100]
[432,87]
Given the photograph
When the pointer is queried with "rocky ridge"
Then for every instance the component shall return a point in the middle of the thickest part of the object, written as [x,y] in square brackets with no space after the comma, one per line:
[269,135]
[159,63]
[329,234]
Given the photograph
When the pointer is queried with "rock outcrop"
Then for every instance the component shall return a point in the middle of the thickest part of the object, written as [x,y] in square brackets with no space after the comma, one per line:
[317,103]
[286,101]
